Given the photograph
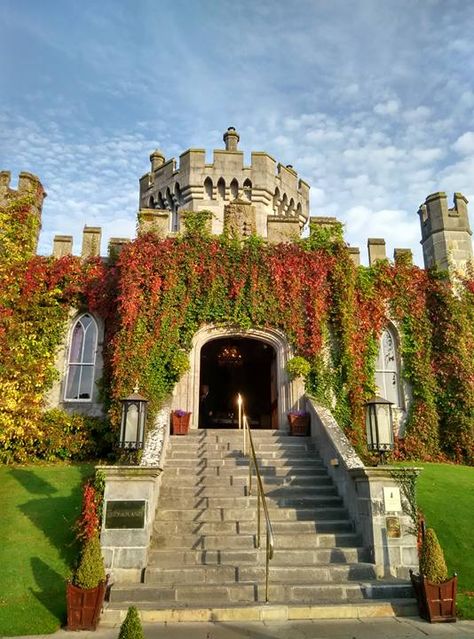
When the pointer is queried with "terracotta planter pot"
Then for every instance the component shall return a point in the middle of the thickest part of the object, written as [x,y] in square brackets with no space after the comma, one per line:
[84,606]
[299,425]
[180,423]
[436,602]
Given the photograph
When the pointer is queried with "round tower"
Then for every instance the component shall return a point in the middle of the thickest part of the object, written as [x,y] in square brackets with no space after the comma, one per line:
[272,198]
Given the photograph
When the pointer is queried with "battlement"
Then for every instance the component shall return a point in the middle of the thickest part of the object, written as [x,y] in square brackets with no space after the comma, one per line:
[273,188]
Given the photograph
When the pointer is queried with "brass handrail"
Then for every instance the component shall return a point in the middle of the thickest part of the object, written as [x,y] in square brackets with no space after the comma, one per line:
[269,545]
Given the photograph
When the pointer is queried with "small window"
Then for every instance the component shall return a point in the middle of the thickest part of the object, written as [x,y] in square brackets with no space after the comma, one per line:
[248,190]
[387,374]
[81,362]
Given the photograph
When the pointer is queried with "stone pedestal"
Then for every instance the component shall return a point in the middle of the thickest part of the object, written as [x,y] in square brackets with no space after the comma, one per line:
[130,497]
[386,526]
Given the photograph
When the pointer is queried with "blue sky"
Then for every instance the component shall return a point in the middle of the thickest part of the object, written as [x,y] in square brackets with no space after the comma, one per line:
[372,101]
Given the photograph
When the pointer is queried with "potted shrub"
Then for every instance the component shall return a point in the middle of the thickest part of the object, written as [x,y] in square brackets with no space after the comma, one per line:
[85,593]
[299,423]
[180,422]
[435,592]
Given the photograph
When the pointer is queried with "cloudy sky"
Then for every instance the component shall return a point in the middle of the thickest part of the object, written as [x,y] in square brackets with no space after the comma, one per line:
[372,101]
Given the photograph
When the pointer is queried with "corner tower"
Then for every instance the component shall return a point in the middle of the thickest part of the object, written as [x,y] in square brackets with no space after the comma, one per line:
[445,233]
[276,199]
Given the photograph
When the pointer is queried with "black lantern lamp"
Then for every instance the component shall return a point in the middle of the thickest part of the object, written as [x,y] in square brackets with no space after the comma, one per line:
[132,428]
[379,425]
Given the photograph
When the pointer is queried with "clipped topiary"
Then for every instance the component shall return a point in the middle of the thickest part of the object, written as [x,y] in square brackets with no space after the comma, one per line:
[91,569]
[131,627]
[432,562]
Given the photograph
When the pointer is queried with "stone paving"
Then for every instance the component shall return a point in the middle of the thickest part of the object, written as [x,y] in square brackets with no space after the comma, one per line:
[394,628]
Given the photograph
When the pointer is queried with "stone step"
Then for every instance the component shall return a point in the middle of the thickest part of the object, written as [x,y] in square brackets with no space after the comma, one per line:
[114,613]
[286,557]
[216,434]
[186,492]
[234,542]
[249,502]
[235,465]
[248,527]
[262,446]
[242,480]
[250,514]
[218,574]
[252,592]
[204,455]
[232,459]
[243,471]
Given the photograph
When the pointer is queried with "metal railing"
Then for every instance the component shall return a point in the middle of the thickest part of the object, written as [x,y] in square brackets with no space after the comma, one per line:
[261,500]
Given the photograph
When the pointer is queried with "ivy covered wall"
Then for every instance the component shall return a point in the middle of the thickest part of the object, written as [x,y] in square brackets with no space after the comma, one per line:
[157,294]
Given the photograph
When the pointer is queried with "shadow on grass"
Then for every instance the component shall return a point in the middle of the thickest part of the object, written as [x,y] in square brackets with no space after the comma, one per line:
[51,589]
[53,515]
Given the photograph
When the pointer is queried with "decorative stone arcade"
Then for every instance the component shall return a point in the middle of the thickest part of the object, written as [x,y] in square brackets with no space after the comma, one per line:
[264,354]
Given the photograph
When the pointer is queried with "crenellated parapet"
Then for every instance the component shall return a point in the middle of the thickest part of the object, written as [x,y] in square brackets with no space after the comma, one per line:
[445,232]
[272,188]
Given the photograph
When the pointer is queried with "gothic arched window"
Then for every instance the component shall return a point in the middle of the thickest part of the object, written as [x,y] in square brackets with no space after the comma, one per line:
[387,373]
[81,360]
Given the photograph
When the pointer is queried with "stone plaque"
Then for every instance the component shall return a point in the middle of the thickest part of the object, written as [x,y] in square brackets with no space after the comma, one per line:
[393,527]
[125,514]
[392,500]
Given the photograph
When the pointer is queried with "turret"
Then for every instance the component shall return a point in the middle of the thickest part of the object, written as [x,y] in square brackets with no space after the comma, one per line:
[445,232]
[280,200]
[31,189]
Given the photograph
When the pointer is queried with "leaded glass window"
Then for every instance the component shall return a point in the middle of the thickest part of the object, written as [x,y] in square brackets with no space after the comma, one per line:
[81,361]
[387,374]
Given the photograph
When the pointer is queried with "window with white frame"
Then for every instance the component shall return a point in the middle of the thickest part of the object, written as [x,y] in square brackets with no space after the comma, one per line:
[81,360]
[387,373]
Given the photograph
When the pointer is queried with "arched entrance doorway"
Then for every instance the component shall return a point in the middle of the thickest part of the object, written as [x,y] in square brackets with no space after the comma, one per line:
[186,394]
[232,365]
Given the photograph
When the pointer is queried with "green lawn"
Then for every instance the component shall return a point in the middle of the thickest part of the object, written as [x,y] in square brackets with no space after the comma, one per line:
[446,496]
[39,507]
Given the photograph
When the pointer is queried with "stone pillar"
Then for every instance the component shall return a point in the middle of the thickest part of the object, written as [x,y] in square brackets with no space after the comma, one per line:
[130,498]
[376,248]
[91,237]
[354,254]
[282,229]
[116,245]
[62,245]
[403,255]
[154,221]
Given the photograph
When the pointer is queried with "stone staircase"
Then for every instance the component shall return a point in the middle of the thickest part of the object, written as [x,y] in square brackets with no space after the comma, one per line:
[204,564]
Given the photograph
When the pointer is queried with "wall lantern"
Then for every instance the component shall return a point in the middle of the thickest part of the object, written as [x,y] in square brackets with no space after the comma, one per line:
[379,425]
[132,428]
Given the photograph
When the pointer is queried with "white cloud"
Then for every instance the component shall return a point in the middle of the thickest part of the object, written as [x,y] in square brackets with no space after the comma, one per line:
[465,143]
[387,108]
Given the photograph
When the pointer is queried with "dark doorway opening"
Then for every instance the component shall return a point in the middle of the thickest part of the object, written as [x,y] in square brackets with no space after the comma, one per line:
[233,365]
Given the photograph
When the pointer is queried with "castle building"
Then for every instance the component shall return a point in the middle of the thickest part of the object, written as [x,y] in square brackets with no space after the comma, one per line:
[342,528]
